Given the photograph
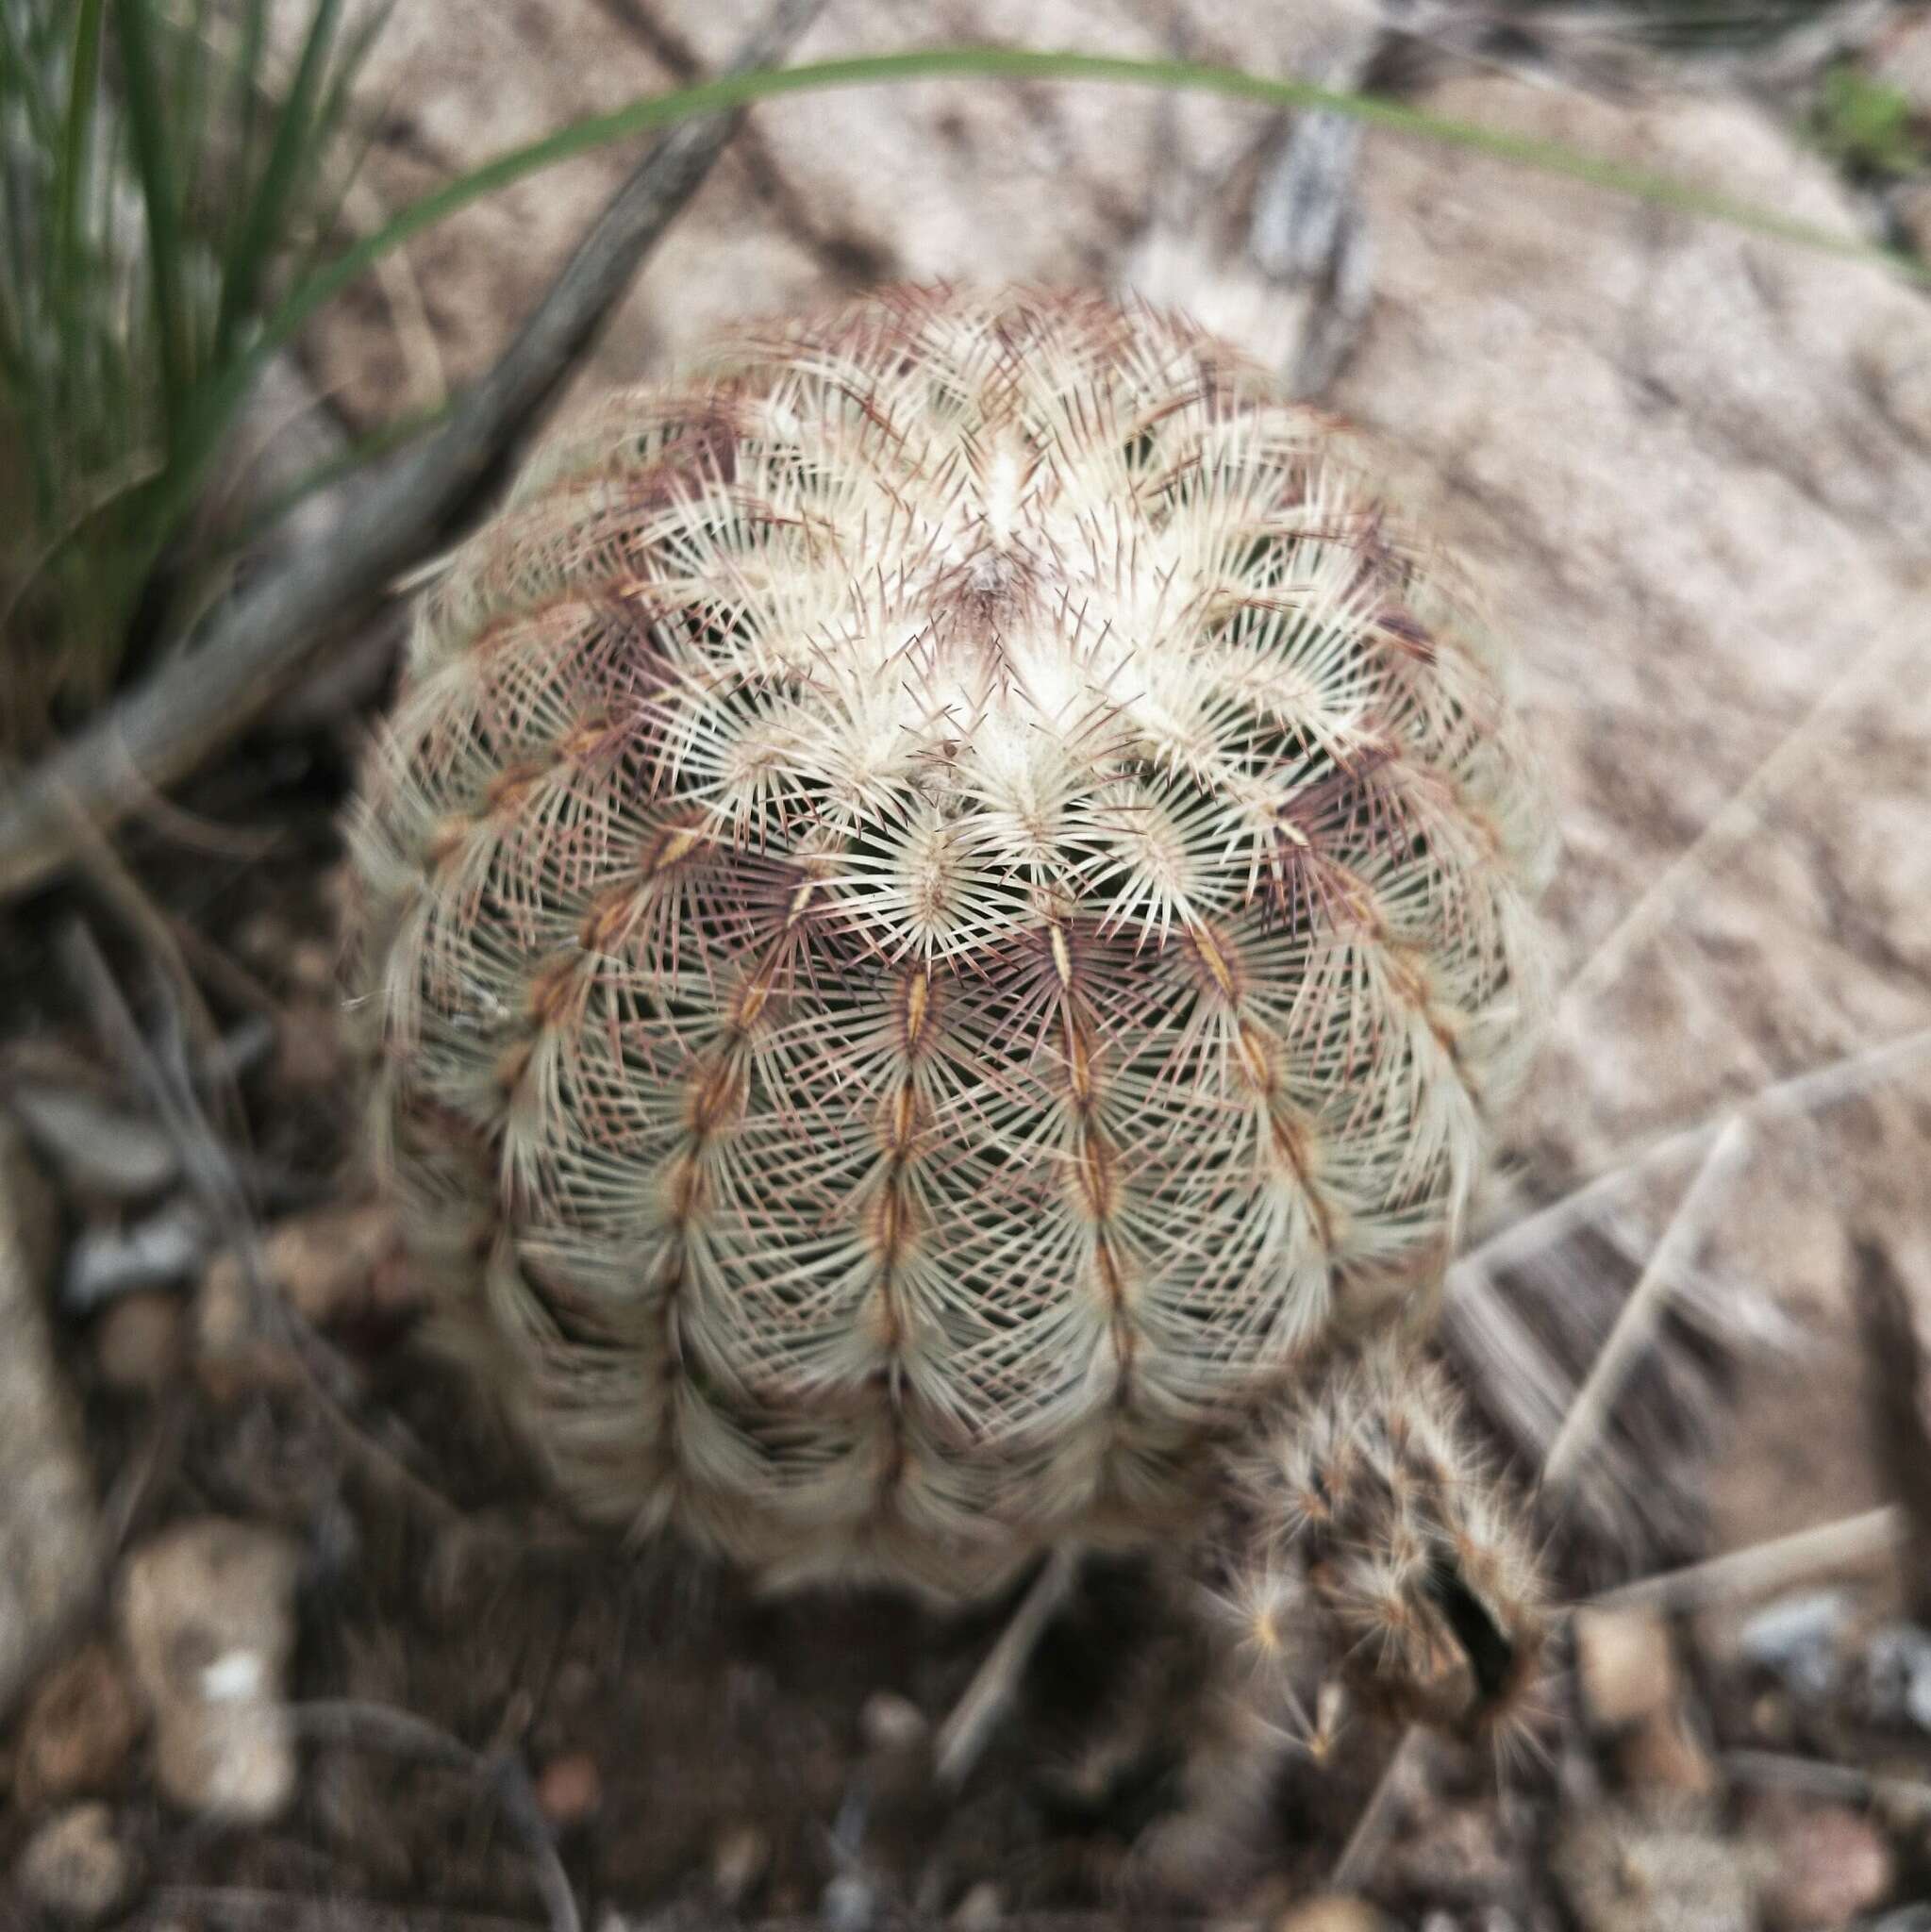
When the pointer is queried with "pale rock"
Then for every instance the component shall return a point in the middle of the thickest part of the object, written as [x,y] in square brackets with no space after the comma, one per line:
[81,1723]
[50,1536]
[207,1616]
[982,1907]
[1332,1913]
[75,1868]
[137,1341]
[1831,1866]
[1799,1640]
[1897,1672]
[1626,1665]
[99,1149]
[892,1724]
[157,1250]
[739,1859]
[849,1903]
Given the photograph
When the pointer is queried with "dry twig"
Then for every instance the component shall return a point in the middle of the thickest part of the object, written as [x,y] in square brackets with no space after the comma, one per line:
[1849,1542]
[962,1735]
[214,1177]
[1636,1319]
[378,1727]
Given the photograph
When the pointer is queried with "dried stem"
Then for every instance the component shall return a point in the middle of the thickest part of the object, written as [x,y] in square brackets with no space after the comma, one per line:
[1828,1780]
[213,1177]
[963,1735]
[1377,1816]
[380,1727]
[1801,1094]
[1851,1541]
[1636,1319]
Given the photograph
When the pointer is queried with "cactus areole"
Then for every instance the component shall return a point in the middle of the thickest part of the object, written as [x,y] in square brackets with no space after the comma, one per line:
[946,897]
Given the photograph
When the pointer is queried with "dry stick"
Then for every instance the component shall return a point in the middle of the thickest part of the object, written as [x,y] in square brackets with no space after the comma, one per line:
[1636,1320]
[1808,1093]
[259,643]
[1828,1780]
[1377,1816]
[1849,1542]
[962,1735]
[382,1729]
[212,1176]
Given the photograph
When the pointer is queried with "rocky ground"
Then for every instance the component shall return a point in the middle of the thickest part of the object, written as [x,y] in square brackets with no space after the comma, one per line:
[286,1634]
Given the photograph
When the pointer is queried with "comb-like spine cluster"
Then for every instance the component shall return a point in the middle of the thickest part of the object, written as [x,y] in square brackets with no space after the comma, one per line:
[943,895]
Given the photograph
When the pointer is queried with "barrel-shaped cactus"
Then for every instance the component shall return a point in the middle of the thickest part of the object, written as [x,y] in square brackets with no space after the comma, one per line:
[945,895]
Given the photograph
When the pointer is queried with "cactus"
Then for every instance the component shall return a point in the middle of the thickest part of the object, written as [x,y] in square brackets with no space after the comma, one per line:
[1356,1498]
[945,902]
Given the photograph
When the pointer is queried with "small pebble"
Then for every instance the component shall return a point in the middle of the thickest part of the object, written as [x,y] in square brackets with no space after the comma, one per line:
[158,1251]
[1832,1866]
[311,966]
[980,1909]
[891,1723]
[849,1904]
[208,1614]
[738,1860]
[137,1341]
[75,1868]
[328,1264]
[1897,1665]
[1331,1913]
[1662,1753]
[1796,1639]
[78,1729]
[1624,1665]
[570,1790]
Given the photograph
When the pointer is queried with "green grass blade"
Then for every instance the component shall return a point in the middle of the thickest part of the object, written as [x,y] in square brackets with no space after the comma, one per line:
[83,96]
[737,90]
[266,221]
[148,126]
[244,107]
[334,118]
[22,78]
[218,405]
[188,94]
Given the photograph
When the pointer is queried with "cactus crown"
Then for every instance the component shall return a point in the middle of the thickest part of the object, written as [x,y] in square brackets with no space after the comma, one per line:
[943,893]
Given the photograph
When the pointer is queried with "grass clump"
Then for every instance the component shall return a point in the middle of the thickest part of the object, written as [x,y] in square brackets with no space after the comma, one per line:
[1866,126]
[163,179]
